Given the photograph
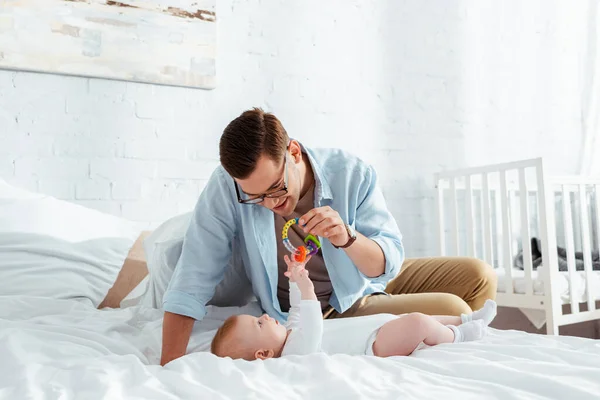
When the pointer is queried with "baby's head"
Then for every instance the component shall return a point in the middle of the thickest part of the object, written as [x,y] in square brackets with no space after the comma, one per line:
[248,337]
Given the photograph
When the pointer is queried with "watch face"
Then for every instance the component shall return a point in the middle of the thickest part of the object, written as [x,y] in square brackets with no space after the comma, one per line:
[351,231]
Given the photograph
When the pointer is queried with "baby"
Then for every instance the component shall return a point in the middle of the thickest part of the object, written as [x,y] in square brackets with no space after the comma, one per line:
[382,335]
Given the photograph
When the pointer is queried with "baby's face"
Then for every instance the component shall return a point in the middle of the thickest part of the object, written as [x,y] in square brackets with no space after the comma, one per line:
[263,333]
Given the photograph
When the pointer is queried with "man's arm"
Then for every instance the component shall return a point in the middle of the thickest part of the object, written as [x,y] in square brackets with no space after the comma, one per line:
[204,256]
[177,330]
[377,251]
[366,255]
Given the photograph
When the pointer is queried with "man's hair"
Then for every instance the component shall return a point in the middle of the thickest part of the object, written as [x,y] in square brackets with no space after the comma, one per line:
[247,138]
[221,345]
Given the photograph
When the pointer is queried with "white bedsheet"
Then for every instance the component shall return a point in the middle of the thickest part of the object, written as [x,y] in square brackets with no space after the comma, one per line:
[63,349]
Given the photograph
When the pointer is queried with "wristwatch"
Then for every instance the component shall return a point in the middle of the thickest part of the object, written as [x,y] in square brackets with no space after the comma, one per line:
[352,234]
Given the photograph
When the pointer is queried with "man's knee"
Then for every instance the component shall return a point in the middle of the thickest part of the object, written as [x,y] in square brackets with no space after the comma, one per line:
[484,278]
[483,273]
[451,304]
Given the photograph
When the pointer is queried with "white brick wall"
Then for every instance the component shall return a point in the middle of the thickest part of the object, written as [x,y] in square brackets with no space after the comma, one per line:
[92,190]
[122,190]
[418,86]
[113,169]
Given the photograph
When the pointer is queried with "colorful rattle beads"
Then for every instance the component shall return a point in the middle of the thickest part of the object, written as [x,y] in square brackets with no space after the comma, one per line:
[313,244]
[301,252]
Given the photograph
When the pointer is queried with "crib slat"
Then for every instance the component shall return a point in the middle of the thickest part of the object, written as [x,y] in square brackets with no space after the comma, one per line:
[587,256]
[547,228]
[454,206]
[499,243]
[597,197]
[512,195]
[440,218]
[504,210]
[569,242]
[526,234]
[470,223]
[487,220]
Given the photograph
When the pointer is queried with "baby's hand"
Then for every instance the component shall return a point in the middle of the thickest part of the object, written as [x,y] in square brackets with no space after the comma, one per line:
[291,264]
[298,274]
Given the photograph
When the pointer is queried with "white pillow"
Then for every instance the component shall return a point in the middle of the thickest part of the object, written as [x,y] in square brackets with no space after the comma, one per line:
[151,289]
[53,248]
[11,192]
[28,212]
[45,266]
[168,232]
[162,250]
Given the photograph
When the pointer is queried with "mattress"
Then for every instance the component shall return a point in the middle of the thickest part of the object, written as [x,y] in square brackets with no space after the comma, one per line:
[563,284]
[65,349]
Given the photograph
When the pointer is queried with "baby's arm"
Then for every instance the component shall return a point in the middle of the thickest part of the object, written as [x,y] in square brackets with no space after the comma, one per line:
[295,294]
[305,318]
[301,288]
[299,275]
[293,319]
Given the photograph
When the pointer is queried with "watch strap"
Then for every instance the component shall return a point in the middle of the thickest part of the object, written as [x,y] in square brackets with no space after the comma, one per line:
[351,239]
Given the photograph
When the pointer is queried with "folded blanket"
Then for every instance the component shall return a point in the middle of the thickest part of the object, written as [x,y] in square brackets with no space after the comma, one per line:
[536,255]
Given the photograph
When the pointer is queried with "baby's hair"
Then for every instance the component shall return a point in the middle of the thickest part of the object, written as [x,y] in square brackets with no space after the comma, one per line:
[219,342]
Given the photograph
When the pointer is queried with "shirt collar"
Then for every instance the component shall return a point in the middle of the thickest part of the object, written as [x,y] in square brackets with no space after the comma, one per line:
[322,188]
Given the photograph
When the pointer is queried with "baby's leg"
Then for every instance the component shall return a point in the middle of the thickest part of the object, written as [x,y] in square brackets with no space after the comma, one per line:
[401,336]
[447,320]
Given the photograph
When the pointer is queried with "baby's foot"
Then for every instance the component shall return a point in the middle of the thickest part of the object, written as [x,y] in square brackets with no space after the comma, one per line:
[469,331]
[487,313]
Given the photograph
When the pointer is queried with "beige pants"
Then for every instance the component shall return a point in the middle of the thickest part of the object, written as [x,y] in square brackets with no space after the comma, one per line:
[433,286]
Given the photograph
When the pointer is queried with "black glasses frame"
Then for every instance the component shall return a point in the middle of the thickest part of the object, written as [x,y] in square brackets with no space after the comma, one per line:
[277,193]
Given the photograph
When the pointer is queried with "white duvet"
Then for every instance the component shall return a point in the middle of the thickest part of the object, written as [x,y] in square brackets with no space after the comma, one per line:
[58,260]
[65,349]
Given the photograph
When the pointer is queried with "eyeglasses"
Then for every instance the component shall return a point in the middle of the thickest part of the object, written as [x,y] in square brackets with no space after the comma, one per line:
[259,199]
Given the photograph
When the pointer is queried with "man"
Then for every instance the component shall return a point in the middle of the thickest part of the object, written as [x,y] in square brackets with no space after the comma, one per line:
[265,179]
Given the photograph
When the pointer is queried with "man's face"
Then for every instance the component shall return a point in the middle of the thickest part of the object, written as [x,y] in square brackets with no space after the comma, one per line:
[269,178]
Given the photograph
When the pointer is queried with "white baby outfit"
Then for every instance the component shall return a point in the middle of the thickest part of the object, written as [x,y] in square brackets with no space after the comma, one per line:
[310,334]
[356,335]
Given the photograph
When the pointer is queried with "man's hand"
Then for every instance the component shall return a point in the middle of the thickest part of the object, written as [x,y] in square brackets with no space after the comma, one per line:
[365,253]
[327,223]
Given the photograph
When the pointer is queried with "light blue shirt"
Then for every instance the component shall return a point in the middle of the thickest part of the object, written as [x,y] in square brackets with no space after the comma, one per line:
[342,181]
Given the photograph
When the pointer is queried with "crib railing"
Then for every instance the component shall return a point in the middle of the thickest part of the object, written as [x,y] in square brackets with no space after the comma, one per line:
[493,212]
[583,195]
[495,188]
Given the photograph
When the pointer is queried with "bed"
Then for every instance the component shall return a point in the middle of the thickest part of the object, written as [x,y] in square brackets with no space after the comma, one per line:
[59,341]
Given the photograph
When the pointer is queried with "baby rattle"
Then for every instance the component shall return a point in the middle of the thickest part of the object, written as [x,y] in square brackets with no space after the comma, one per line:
[301,252]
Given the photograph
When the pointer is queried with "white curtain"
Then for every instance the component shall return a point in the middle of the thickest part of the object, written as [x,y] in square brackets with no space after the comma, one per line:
[590,160]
